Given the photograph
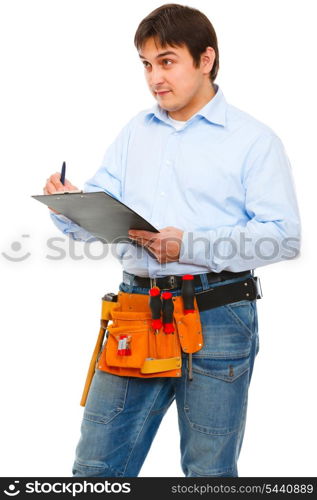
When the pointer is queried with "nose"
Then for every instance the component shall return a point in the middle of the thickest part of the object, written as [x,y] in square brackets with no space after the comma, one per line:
[155,76]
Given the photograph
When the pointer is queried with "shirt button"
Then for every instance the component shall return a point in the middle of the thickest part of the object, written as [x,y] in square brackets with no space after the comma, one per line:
[162,193]
[168,162]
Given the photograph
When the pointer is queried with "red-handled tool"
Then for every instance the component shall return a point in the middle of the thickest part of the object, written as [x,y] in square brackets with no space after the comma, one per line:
[188,293]
[156,307]
[168,309]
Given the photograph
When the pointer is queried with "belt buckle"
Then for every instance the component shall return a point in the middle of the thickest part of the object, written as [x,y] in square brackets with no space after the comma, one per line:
[153,282]
[172,281]
[259,293]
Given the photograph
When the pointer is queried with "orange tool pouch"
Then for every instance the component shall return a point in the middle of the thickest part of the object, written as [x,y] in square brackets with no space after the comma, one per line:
[150,354]
[134,349]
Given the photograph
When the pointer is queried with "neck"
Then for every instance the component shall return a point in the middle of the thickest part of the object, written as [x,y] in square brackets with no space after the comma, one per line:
[198,102]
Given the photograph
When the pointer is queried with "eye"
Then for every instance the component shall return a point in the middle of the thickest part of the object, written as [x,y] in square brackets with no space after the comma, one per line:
[146,64]
[167,62]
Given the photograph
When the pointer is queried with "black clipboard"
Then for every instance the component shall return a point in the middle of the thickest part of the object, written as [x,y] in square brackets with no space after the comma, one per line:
[99,213]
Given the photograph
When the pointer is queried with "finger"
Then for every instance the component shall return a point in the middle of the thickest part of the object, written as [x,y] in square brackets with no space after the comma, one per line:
[69,186]
[140,241]
[68,183]
[52,210]
[50,188]
[141,234]
[55,179]
[145,243]
[152,252]
[135,238]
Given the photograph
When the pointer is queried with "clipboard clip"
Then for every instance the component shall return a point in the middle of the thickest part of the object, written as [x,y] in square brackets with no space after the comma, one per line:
[68,192]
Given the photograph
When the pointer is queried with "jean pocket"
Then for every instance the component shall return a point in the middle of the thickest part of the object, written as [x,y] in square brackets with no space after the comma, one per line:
[106,397]
[215,399]
[243,312]
[228,331]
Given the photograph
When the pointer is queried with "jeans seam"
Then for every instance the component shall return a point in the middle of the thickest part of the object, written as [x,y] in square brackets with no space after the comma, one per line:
[231,469]
[141,429]
[241,323]
[199,428]
[87,413]
[222,355]
[227,379]
[241,429]
[102,467]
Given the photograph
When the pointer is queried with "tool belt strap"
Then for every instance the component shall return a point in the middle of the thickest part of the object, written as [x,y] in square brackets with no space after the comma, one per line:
[173,282]
[249,289]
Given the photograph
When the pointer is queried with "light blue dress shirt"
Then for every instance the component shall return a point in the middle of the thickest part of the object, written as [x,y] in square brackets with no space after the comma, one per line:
[224,179]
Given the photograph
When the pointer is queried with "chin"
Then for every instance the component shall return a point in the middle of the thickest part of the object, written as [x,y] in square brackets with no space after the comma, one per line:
[168,107]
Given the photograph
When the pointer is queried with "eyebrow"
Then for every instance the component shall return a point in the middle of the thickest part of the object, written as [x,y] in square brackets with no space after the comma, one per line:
[162,54]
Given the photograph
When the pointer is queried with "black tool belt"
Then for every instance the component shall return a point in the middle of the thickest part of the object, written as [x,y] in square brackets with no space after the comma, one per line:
[245,289]
[173,282]
[249,289]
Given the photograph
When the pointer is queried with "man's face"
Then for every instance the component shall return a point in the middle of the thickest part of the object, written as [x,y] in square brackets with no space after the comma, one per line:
[174,81]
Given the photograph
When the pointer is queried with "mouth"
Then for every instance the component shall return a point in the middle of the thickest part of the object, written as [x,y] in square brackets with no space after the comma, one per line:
[161,92]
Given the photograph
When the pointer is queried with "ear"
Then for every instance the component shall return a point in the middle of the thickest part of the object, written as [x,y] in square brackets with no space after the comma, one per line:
[207,60]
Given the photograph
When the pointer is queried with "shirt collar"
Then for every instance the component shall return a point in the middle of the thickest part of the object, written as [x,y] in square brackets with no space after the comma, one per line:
[214,111]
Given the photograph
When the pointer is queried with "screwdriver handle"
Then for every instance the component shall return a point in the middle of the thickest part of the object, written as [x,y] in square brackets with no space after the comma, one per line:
[156,307]
[188,293]
[168,309]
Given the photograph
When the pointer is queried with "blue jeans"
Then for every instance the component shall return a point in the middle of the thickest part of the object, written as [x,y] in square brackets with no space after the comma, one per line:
[122,414]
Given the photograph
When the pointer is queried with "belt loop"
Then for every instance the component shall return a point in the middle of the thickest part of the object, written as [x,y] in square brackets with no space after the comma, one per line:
[204,281]
[130,278]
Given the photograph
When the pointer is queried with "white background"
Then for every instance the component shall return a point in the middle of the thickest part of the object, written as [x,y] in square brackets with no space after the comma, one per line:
[70,79]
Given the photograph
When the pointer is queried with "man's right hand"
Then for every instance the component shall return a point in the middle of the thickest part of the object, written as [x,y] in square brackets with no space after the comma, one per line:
[53,185]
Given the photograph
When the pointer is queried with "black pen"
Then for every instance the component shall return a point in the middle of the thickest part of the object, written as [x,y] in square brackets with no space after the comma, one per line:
[63,173]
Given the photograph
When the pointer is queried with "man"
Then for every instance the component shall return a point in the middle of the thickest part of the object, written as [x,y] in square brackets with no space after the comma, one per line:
[218,185]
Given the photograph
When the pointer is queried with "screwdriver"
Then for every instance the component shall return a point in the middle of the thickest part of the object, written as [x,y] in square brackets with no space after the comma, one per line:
[188,295]
[168,309]
[156,306]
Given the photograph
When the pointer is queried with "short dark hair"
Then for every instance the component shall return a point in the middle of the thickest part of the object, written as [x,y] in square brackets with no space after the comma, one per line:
[176,25]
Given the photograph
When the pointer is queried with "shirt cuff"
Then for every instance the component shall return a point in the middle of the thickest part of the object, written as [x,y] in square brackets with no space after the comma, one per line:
[61,221]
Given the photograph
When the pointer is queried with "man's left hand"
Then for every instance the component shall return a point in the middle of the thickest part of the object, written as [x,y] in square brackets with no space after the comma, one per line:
[165,245]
